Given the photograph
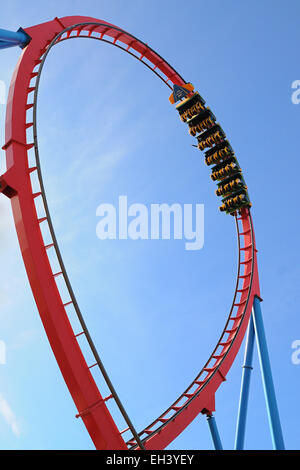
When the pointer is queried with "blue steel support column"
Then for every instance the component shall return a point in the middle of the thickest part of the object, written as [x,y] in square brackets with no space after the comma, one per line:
[6,44]
[11,38]
[243,405]
[273,414]
[214,432]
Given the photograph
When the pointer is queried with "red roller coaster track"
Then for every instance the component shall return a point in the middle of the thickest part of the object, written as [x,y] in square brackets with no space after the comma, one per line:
[16,183]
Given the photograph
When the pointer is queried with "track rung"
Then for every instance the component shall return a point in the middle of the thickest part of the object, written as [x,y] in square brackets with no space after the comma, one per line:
[237,317]
[33,168]
[175,408]
[109,397]
[79,334]
[162,420]
[239,304]
[218,356]
[244,276]
[226,343]
[93,365]
[124,430]
[243,289]
[36,194]
[57,274]
[90,32]
[246,262]
[246,247]
[232,330]
[68,303]
[42,219]
[49,246]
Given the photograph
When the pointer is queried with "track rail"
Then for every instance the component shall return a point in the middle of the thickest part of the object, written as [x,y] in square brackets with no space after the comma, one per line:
[17,183]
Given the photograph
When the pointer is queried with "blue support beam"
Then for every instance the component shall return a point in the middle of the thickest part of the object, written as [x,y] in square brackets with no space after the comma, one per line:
[11,38]
[214,432]
[245,386]
[269,390]
[6,44]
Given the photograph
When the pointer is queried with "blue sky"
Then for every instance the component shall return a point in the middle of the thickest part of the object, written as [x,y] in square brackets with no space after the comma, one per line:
[155,310]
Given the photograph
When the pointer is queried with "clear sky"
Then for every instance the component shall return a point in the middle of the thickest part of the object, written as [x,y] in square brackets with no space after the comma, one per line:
[155,310]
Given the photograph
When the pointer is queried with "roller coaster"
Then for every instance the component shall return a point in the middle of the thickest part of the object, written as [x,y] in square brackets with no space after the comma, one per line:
[21,142]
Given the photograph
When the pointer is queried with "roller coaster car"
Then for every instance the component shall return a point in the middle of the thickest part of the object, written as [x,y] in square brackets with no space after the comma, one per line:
[218,153]
[190,106]
[225,169]
[214,135]
[180,92]
[231,185]
[200,122]
[235,202]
